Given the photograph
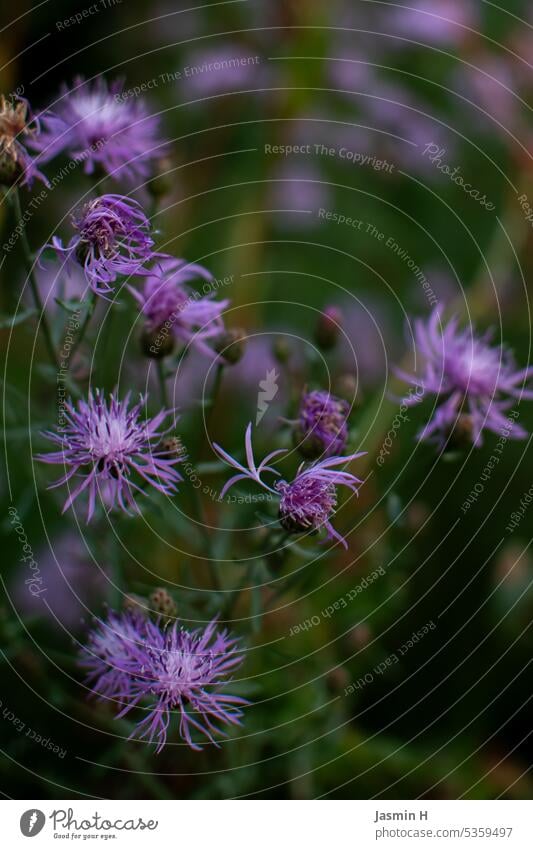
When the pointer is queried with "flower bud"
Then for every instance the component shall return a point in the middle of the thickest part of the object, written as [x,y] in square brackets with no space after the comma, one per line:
[163,603]
[173,446]
[282,350]
[328,327]
[158,343]
[134,602]
[231,345]
[347,387]
[460,434]
[163,180]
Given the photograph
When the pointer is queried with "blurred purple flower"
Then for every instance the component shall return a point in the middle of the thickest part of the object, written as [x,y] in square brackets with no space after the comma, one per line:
[366,340]
[492,87]
[438,22]
[465,371]
[17,126]
[323,422]
[350,70]
[69,585]
[215,70]
[309,501]
[134,661]
[113,239]
[98,125]
[104,444]
[297,192]
[195,318]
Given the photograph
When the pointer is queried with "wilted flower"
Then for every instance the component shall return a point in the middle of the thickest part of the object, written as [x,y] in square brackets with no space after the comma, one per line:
[103,128]
[134,661]
[172,308]
[17,126]
[322,428]
[475,381]
[309,501]
[104,445]
[113,239]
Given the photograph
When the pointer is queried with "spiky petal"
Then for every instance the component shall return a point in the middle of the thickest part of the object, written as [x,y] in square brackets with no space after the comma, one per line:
[112,239]
[471,378]
[194,318]
[133,661]
[106,446]
[103,129]
[306,503]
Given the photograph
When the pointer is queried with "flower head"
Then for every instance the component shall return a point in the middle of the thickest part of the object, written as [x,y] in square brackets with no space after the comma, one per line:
[474,381]
[166,299]
[309,501]
[133,660]
[112,239]
[322,426]
[97,125]
[104,446]
[16,127]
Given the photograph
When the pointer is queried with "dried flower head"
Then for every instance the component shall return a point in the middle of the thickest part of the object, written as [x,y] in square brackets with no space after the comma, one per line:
[17,126]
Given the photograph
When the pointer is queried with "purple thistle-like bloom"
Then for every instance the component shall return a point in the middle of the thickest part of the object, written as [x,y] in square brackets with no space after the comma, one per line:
[309,501]
[133,660]
[475,381]
[103,444]
[17,126]
[97,125]
[322,424]
[113,239]
[193,318]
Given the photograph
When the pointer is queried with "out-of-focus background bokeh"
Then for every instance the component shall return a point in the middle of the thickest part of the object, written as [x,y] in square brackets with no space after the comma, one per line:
[285,119]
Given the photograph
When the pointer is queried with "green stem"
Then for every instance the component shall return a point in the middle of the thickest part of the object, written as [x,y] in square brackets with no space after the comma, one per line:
[209,557]
[84,326]
[28,261]
[162,383]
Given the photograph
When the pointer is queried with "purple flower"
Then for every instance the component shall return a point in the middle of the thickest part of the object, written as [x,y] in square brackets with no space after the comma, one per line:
[322,424]
[310,500]
[439,22]
[133,661]
[103,444]
[474,381]
[17,125]
[113,239]
[96,124]
[216,70]
[192,317]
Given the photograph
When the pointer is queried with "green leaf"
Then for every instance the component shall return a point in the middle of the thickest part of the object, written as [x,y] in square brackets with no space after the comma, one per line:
[72,306]
[13,320]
